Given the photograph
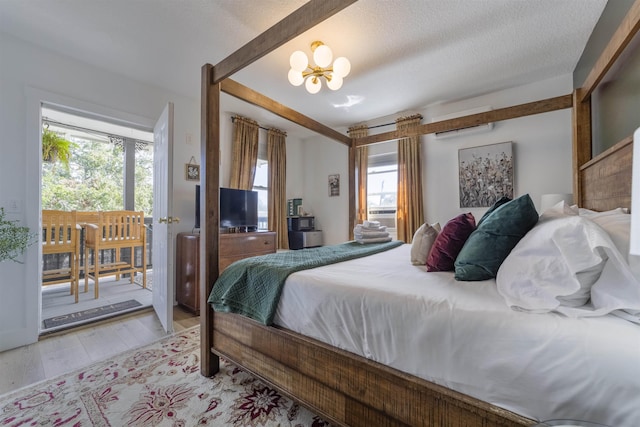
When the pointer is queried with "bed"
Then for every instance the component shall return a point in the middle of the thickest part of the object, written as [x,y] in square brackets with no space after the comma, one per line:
[338,383]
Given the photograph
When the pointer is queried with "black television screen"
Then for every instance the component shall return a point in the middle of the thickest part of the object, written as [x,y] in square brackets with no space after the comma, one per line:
[197,206]
[238,208]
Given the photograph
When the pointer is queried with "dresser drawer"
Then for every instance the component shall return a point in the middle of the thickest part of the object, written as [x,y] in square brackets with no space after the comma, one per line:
[236,246]
[187,271]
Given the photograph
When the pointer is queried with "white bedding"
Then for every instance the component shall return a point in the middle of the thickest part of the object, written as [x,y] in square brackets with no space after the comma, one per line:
[464,336]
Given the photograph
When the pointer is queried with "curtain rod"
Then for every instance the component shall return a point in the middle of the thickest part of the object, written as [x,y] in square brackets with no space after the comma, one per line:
[233,119]
[376,126]
[97,132]
[385,124]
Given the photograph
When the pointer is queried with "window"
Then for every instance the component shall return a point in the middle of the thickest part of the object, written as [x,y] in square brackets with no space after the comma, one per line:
[382,189]
[261,185]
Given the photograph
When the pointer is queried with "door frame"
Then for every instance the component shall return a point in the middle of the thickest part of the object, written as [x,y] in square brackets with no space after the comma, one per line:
[27,329]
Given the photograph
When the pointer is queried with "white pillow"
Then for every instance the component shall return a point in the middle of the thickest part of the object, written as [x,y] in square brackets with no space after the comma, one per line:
[555,263]
[618,224]
[561,208]
[562,261]
[422,241]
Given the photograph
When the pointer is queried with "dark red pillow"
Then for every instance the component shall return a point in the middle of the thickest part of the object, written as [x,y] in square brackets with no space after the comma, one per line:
[449,242]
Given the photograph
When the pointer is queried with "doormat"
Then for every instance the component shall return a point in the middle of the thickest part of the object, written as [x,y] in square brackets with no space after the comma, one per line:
[89,313]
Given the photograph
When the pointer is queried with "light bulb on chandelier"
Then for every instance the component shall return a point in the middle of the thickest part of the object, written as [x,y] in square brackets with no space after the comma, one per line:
[302,72]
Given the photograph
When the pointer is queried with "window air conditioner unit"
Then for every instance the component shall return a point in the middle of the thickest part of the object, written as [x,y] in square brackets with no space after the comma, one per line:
[465,130]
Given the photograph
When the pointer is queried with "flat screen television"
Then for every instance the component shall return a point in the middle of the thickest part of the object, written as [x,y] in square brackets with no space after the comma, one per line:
[197,226]
[238,209]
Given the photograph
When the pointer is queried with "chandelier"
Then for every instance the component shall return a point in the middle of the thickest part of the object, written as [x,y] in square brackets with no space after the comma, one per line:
[302,72]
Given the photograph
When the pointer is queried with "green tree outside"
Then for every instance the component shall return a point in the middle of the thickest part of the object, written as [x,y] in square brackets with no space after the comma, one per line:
[94,180]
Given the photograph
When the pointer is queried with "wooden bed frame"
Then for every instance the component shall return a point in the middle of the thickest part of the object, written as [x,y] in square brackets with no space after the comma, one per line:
[342,387]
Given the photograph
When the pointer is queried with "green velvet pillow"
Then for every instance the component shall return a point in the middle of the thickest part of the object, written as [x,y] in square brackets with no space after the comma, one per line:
[501,201]
[498,233]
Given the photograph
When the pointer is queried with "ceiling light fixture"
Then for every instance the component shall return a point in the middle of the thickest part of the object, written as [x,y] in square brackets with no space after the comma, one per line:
[322,56]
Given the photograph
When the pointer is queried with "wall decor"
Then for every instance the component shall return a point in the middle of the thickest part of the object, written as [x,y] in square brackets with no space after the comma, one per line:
[192,170]
[334,185]
[485,174]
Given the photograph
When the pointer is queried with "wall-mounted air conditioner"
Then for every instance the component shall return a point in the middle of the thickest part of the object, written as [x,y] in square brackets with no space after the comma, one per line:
[465,130]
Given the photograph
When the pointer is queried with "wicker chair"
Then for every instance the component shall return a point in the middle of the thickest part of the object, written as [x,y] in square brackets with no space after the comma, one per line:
[115,230]
[61,235]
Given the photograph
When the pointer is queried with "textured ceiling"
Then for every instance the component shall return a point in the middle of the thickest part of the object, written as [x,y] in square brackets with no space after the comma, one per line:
[405,54]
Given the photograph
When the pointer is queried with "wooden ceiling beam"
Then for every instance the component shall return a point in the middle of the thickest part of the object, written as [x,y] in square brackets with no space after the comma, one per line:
[301,20]
[246,94]
[536,107]
[626,31]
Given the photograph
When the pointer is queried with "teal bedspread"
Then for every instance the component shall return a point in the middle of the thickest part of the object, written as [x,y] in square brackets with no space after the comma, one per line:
[252,286]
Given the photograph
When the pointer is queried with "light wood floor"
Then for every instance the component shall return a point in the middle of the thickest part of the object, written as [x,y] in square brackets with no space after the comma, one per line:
[67,351]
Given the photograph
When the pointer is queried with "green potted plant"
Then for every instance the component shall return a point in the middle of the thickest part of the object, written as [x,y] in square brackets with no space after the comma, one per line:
[14,239]
[55,148]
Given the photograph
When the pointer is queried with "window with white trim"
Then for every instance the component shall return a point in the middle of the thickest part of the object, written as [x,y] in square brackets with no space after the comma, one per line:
[382,189]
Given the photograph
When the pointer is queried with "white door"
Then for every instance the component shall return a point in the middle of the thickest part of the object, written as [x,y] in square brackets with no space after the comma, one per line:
[162,236]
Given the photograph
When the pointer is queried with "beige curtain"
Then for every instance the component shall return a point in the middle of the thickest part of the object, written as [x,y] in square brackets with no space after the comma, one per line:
[362,160]
[410,211]
[245,153]
[277,201]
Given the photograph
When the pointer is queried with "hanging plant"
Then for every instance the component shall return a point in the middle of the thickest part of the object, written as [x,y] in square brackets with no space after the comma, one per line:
[14,239]
[55,148]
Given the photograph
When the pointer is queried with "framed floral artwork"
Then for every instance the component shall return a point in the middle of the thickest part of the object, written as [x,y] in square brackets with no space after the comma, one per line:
[485,174]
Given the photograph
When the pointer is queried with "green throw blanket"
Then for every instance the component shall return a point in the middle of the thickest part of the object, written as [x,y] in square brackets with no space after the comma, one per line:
[252,286]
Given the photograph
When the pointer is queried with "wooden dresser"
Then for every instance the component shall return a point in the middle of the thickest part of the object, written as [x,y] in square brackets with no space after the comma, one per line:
[235,246]
[187,271]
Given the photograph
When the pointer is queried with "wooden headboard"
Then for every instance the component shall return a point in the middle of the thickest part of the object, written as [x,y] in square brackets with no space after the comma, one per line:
[606,179]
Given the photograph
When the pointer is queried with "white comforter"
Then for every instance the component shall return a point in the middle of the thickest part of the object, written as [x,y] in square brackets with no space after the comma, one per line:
[464,336]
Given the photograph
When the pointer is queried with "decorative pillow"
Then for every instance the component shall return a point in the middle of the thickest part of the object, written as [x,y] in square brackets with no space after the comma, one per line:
[422,241]
[492,241]
[501,201]
[447,245]
[555,264]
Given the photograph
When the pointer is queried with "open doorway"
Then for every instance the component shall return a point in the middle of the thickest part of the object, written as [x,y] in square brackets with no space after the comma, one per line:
[106,167]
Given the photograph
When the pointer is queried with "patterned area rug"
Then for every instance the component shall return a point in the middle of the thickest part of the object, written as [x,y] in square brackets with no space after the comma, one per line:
[156,385]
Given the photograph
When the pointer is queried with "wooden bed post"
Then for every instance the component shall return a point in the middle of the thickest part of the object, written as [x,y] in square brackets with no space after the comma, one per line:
[581,140]
[352,187]
[212,77]
[209,236]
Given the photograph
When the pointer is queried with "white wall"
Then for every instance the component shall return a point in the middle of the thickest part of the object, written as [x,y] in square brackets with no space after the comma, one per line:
[296,176]
[541,148]
[28,73]
[542,155]
[324,157]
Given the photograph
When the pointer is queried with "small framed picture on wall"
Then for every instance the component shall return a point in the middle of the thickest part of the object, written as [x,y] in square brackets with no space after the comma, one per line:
[334,185]
[192,172]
